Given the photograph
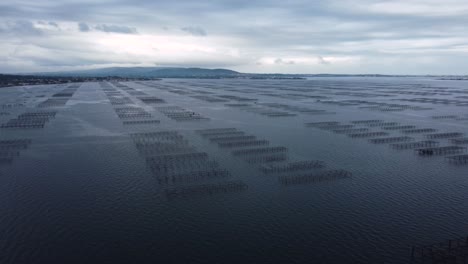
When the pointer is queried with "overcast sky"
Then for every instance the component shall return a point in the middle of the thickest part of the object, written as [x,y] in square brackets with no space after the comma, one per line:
[297,36]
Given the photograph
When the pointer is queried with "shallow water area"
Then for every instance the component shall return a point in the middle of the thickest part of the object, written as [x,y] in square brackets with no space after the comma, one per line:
[325,170]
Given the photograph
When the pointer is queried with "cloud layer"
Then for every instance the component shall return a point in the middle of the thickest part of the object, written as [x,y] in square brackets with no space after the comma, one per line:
[333,36]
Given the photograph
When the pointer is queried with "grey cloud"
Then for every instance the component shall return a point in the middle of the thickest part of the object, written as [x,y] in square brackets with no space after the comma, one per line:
[21,27]
[281,61]
[321,60]
[83,27]
[262,29]
[116,29]
[50,23]
[195,31]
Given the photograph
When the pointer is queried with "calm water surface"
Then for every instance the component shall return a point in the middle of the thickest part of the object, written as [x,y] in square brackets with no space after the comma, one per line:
[85,187]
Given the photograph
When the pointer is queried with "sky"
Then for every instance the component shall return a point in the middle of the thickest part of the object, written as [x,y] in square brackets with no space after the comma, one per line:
[276,36]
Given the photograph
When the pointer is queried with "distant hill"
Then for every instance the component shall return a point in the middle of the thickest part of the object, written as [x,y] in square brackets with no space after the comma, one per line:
[149,72]
[202,73]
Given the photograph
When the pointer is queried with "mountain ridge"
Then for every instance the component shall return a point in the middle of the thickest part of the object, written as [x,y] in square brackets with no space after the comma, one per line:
[196,72]
[147,72]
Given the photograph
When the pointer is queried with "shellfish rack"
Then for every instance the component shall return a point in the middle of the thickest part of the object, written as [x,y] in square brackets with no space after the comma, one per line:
[129,113]
[206,189]
[433,151]
[9,149]
[231,138]
[450,251]
[180,114]
[437,101]
[306,178]
[414,145]
[419,130]
[61,98]
[445,135]
[149,100]
[209,99]
[132,112]
[297,109]
[460,141]
[30,120]
[458,159]
[423,148]
[257,109]
[271,160]
[173,160]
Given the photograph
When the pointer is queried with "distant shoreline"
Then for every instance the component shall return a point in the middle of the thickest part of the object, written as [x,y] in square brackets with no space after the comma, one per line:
[11,80]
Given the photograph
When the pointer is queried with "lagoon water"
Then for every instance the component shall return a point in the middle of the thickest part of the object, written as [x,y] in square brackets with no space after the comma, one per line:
[90,186]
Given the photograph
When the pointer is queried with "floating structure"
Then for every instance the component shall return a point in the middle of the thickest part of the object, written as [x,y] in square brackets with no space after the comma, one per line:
[6,160]
[368,134]
[30,120]
[444,117]
[206,189]
[232,138]
[336,127]
[243,143]
[120,100]
[414,145]
[384,124]
[298,109]
[210,99]
[172,160]
[9,149]
[314,177]
[53,102]
[266,158]
[160,147]
[238,105]
[419,130]
[259,151]
[445,135]
[405,127]
[437,101]
[258,109]
[322,124]
[277,114]
[181,157]
[350,130]
[192,176]
[132,112]
[367,122]
[154,136]
[226,138]
[451,251]
[440,150]
[151,100]
[14,144]
[223,134]
[458,159]
[459,141]
[237,98]
[387,140]
[10,106]
[67,92]
[180,114]
[141,122]
[135,92]
[216,130]
[293,166]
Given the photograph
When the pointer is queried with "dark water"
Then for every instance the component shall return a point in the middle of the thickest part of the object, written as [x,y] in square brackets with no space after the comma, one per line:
[82,190]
